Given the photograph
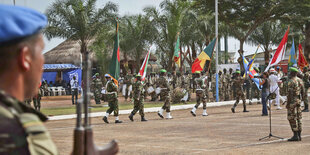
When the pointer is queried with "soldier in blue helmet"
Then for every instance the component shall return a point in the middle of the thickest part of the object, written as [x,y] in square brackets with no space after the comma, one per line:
[21,63]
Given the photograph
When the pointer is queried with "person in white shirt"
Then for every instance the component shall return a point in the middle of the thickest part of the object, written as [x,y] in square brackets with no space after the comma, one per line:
[274,88]
[74,88]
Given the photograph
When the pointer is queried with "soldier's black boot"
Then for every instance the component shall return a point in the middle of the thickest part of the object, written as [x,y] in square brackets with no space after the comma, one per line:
[131,117]
[299,135]
[306,108]
[105,119]
[295,137]
[143,119]
[233,109]
[244,108]
[118,121]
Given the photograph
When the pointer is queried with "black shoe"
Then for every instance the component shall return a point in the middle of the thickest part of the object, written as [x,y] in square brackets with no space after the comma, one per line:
[143,119]
[245,111]
[299,135]
[305,110]
[295,137]
[233,110]
[264,114]
[250,103]
[105,119]
[131,117]
[118,121]
[193,113]
[161,116]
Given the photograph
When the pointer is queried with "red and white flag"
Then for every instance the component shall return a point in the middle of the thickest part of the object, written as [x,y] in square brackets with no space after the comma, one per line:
[280,52]
[143,68]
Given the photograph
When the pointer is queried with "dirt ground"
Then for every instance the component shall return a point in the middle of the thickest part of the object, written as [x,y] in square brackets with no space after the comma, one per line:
[219,133]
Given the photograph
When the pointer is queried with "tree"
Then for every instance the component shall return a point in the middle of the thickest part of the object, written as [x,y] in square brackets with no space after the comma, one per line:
[266,35]
[137,34]
[168,22]
[78,20]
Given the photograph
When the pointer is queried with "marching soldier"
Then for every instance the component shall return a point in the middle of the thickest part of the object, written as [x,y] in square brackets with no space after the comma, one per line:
[37,99]
[295,93]
[128,81]
[200,95]
[306,80]
[111,89]
[138,97]
[22,130]
[162,82]
[238,84]
[97,86]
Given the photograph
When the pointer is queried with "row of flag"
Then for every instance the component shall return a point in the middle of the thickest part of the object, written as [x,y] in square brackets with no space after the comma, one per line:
[206,55]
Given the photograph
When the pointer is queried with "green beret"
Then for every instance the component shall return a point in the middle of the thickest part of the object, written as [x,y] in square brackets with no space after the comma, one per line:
[197,72]
[293,69]
[163,71]
[238,72]
[97,74]
[138,75]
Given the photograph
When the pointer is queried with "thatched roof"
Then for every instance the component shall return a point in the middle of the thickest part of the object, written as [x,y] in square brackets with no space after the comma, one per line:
[68,52]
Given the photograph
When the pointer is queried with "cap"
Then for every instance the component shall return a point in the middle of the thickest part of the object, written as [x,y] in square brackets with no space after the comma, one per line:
[293,69]
[238,72]
[106,75]
[197,72]
[19,22]
[138,75]
[272,70]
[97,74]
[163,71]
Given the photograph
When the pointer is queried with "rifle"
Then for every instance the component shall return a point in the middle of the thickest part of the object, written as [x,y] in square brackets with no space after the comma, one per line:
[83,143]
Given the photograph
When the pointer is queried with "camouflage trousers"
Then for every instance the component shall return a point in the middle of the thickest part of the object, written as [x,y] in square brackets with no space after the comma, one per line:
[201,97]
[113,107]
[294,116]
[239,95]
[37,103]
[165,96]
[138,106]
[305,98]
[97,95]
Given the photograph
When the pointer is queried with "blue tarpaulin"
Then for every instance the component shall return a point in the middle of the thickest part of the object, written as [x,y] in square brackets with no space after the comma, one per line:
[68,71]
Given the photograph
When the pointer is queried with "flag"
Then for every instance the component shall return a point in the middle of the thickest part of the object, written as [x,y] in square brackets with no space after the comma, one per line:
[302,62]
[205,55]
[278,56]
[252,60]
[114,67]
[143,68]
[292,58]
[176,55]
[251,73]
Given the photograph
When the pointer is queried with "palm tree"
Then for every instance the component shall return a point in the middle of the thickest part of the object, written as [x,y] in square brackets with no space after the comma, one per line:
[137,34]
[168,23]
[78,20]
[268,34]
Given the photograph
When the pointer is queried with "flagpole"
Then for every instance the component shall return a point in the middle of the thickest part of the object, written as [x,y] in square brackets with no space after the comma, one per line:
[216,35]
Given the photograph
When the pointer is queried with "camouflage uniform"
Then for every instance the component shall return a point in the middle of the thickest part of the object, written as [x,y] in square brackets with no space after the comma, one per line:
[294,115]
[97,86]
[221,87]
[185,83]
[113,101]
[238,85]
[213,86]
[226,79]
[165,92]
[28,101]
[152,82]
[22,130]
[137,89]
[37,99]
[128,81]
[306,87]
[177,95]
[200,96]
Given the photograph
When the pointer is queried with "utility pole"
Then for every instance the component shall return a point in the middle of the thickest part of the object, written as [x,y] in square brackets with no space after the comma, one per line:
[217,51]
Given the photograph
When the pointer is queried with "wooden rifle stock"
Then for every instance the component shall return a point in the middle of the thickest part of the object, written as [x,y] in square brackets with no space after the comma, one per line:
[83,135]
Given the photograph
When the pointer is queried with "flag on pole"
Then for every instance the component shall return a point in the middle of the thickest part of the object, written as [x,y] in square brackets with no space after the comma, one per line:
[302,62]
[143,68]
[114,67]
[252,60]
[176,55]
[205,55]
[292,58]
[252,72]
[278,56]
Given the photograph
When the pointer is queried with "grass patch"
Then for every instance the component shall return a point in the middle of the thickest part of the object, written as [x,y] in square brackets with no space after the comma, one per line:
[96,108]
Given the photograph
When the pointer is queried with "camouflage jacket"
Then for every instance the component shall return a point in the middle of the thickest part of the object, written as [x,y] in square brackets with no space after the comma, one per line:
[295,90]
[238,83]
[22,130]
[306,79]
[138,90]
[163,83]
[111,87]
[96,84]
[200,83]
[128,80]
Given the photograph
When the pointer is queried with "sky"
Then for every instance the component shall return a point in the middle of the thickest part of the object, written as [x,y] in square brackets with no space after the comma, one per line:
[126,7]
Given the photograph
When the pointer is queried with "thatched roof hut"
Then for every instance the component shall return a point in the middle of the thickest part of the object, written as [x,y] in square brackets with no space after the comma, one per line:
[68,52]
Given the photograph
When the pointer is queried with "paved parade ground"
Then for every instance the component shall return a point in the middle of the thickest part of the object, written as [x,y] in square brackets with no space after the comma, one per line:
[219,133]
